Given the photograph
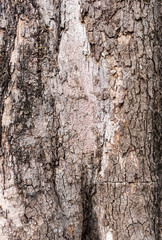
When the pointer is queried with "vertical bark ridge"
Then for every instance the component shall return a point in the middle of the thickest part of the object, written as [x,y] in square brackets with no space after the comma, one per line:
[157,118]
[7,28]
[30,125]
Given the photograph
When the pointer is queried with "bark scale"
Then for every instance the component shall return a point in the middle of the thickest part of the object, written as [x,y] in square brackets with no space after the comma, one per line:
[80,120]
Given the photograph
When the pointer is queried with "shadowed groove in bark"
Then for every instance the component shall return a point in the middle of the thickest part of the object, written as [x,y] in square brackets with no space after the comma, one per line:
[90,222]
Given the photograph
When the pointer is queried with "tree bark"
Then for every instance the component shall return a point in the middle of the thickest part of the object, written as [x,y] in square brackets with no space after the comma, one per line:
[80,120]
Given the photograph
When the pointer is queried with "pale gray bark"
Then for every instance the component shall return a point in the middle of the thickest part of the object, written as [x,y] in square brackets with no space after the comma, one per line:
[80,120]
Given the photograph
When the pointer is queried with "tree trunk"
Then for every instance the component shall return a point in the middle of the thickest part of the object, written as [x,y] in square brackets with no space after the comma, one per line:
[80,120]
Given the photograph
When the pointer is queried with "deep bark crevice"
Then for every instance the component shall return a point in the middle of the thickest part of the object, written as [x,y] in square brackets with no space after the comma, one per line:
[90,229]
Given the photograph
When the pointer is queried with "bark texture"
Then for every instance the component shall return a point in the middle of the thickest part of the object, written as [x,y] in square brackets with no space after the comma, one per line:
[80,120]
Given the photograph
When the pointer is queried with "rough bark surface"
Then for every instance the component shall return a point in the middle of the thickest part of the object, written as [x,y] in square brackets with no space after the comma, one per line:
[80,120]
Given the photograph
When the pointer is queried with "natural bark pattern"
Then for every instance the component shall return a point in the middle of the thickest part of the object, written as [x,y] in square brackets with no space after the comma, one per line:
[123,39]
[79,120]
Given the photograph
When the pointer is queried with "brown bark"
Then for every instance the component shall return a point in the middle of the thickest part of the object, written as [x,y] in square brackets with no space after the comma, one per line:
[80,120]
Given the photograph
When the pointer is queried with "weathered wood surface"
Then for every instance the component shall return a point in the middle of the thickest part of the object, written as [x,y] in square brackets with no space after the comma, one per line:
[79,120]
